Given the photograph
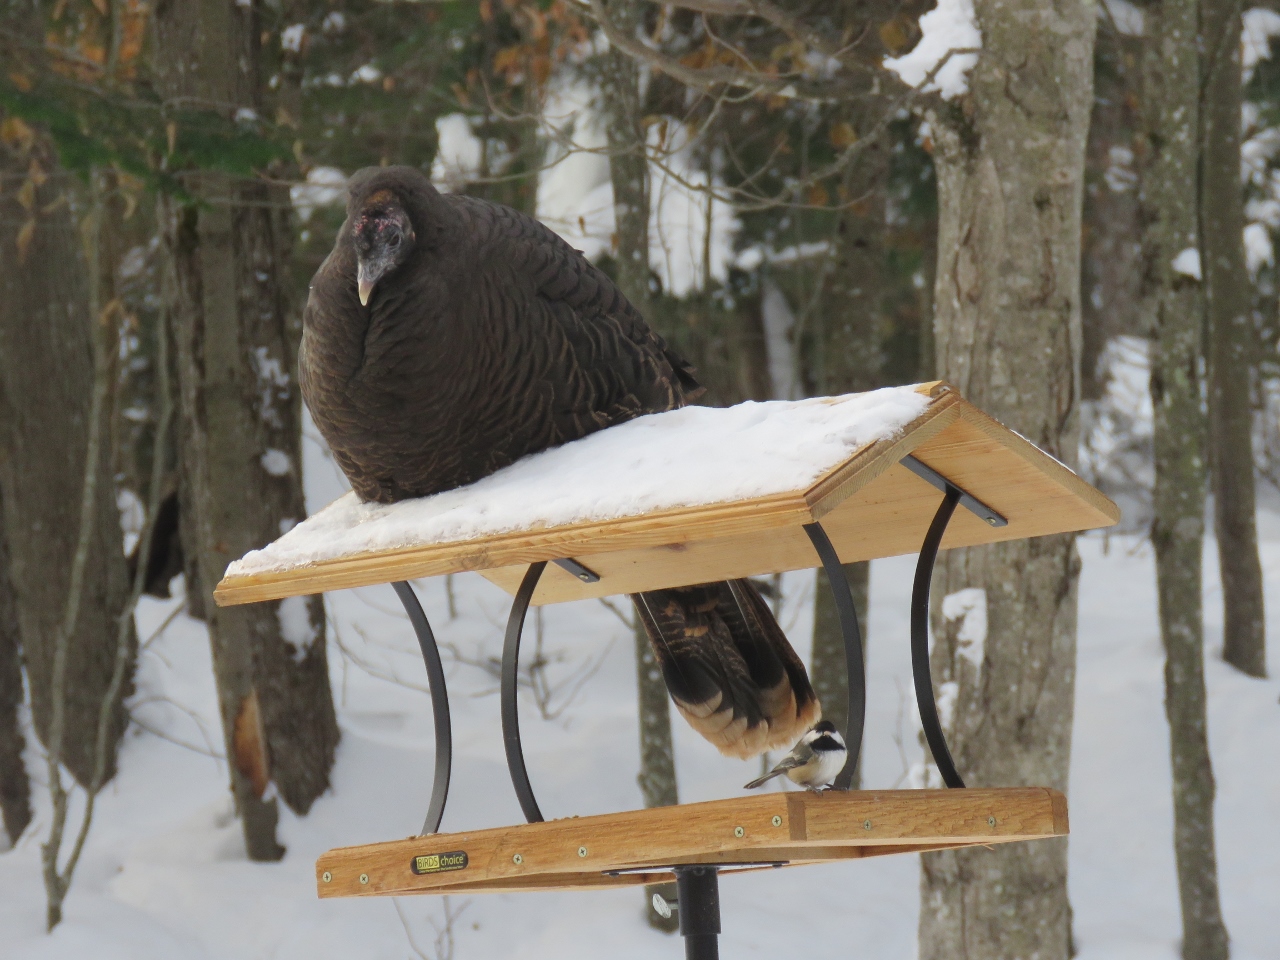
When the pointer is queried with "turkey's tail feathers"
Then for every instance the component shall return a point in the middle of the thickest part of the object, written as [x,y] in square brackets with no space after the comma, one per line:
[728,666]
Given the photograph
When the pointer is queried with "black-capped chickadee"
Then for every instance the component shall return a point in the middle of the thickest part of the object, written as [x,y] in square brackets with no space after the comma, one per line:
[813,762]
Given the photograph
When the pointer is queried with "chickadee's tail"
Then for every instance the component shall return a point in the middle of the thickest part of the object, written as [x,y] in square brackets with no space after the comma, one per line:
[766,778]
[728,666]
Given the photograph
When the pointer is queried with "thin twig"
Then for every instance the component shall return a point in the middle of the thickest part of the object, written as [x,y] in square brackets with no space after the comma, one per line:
[125,624]
[159,631]
[157,732]
[56,881]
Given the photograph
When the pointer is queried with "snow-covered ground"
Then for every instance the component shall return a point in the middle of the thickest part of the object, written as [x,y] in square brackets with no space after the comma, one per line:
[164,875]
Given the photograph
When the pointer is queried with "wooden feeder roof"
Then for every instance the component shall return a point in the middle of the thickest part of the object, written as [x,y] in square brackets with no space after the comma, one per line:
[870,503]
[641,846]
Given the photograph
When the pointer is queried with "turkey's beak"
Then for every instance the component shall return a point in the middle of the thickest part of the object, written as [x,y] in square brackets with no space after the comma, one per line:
[367,274]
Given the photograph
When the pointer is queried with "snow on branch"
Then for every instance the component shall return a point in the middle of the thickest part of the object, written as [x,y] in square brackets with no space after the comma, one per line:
[947,50]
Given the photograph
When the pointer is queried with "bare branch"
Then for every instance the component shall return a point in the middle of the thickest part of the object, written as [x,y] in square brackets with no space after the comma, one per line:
[792,85]
[125,624]
[792,26]
[746,201]
[56,880]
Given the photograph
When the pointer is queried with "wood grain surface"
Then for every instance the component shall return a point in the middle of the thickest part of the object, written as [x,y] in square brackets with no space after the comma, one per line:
[775,828]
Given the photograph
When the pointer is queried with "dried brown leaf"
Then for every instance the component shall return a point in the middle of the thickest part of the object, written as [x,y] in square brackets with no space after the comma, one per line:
[842,135]
[14,132]
[27,195]
[26,234]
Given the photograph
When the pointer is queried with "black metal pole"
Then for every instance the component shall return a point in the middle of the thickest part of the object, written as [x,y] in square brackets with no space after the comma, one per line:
[853,661]
[439,705]
[698,893]
[920,640]
[510,683]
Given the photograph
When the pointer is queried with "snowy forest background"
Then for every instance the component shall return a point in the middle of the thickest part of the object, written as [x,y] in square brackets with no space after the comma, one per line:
[1068,210]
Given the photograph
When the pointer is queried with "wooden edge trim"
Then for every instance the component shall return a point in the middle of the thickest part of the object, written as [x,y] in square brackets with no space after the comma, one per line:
[797,826]
[595,880]
[1058,472]
[935,388]
[846,479]
[578,540]
[518,884]
[1061,822]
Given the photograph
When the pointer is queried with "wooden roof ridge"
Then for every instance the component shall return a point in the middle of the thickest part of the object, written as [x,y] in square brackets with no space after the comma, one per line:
[648,545]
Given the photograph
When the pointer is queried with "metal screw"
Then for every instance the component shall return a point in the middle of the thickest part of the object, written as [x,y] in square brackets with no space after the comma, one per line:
[866,824]
[582,851]
[326,876]
[517,859]
[664,907]
[364,878]
[991,821]
[739,832]
[777,821]
[991,520]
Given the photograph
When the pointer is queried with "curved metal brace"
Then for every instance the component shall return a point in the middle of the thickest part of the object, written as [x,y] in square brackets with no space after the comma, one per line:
[439,705]
[510,677]
[854,669]
[920,640]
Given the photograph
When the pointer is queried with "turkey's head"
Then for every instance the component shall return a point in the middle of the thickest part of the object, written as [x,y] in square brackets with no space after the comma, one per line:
[384,238]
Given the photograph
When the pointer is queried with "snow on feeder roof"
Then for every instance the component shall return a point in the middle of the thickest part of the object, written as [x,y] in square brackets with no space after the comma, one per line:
[691,496]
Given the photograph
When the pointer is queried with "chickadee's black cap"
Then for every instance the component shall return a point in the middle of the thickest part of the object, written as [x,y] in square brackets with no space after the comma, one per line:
[825,726]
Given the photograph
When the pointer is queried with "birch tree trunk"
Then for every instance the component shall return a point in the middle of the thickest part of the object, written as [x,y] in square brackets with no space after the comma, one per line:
[46,379]
[1171,82]
[240,411]
[1010,162]
[629,173]
[1228,289]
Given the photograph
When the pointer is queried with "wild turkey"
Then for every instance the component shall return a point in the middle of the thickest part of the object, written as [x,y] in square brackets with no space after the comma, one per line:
[445,337]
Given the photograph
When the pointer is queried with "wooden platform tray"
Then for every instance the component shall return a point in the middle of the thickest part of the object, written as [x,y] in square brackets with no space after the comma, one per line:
[870,505]
[758,831]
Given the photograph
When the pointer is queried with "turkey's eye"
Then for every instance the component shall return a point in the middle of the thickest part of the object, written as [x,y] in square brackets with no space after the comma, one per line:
[394,241]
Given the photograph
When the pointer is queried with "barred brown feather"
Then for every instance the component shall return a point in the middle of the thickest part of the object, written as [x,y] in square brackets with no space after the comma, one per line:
[728,666]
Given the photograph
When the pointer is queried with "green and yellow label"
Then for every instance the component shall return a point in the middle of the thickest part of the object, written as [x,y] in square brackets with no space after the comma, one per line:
[439,862]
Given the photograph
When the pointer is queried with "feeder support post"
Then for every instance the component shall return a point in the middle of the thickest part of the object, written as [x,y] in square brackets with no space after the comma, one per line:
[698,892]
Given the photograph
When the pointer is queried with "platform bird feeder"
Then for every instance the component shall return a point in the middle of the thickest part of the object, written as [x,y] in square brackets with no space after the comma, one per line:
[911,469]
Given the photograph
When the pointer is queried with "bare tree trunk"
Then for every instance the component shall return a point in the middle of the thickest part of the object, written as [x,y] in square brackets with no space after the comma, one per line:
[1228,292]
[237,343]
[15,785]
[657,777]
[1110,261]
[1010,165]
[46,379]
[827,663]
[849,356]
[1171,81]
[629,173]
